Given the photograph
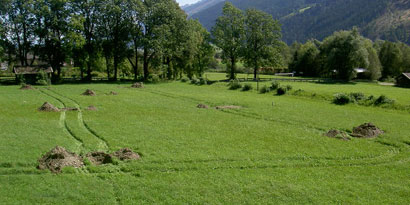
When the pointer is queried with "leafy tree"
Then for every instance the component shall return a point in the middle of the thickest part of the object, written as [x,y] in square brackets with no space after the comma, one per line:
[306,60]
[136,11]
[391,59]
[374,66]
[205,51]
[344,51]
[228,35]
[262,35]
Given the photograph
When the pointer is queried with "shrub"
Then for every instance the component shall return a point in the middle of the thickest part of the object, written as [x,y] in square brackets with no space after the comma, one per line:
[341,99]
[281,91]
[202,81]
[194,81]
[383,100]
[357,97]
[247,87]
[42,78]
[184,80]
[234,85]
[264,89]
[274,85]
[289,87]
[154,79]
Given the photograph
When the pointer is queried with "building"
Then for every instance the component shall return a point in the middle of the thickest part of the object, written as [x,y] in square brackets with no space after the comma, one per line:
[403,80]
[30,73]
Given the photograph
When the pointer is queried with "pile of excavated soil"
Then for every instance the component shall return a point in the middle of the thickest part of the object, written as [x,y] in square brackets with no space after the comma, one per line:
[126,154]
[89,92]
[202,106]
[138,85]
[58,158]
[337,134]
[91,108]
[113,93]
[99,158]
[227,107]
[367,130]
[26,87]
[47,107]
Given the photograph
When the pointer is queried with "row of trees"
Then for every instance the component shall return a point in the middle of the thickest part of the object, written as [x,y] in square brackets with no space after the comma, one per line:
[339,54]
[153,33]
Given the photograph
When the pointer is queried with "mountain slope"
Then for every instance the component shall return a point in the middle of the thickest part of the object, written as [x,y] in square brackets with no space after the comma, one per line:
[305,19]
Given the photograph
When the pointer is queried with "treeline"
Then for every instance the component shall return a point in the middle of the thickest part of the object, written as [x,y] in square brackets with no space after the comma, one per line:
[153,34]
[343,53]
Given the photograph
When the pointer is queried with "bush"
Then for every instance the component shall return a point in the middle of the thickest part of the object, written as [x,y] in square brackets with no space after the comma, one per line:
[154,79]
[194,81]
[289,87]
[274,85]
[264,89]
[234,85]
[357,97]
[42,78]
[184,80]
[281,91]
[247,87]
[202,81]
[383,100]
[341,99]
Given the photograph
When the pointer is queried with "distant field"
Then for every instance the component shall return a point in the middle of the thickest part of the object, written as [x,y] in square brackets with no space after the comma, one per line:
[271,151]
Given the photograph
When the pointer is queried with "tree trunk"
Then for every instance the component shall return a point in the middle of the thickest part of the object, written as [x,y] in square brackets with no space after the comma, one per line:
[233,65]
[255,70]
[107,65]
[169,69]
[146,63]
[115,67]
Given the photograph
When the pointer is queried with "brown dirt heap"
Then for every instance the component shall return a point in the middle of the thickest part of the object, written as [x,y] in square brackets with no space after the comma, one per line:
[202,106]
[99,158]
[26,87]
[138,85]
[227,107]
[113,93]
[126,154]
[47,107]
[89,92]
[367,130]
[91,108]
[58,158]
[337,134]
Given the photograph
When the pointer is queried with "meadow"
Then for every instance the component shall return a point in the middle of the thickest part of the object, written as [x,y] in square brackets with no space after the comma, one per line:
[271,151]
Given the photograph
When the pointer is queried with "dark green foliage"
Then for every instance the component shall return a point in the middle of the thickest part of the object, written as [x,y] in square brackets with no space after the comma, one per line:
[289,87]
[202,81]
[382,100]
[341,99]
[43,79]
[247,87]
[274,85]
[194,81]
[184,80]
[281,91]
[234,85]
[264,89]
[357,97]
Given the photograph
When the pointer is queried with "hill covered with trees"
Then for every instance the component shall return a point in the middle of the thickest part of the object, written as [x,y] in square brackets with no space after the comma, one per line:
[306,19]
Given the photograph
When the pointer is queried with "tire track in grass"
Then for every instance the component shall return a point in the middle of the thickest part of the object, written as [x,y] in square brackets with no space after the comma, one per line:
[63,123]
[104,143]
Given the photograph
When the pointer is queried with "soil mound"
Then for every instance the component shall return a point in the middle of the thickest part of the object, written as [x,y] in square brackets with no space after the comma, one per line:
[47,107]
[26,87]
[202,106]
[91,108]
[113,93]
[126,154]
[99,158]
[337,134]
[226,107]
[367,130]
[58,158]
[138,85]
[89,92]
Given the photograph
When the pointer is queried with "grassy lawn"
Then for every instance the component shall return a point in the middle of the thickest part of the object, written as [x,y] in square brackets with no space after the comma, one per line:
[270,151]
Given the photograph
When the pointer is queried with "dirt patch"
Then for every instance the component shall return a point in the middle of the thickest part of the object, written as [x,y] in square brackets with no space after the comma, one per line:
[138,85]
[69,109]
[113,93]
[58,158]
[337,134]
[126,154]
[227,107]
[26,87]
[99,158]
[89,92]
[202,106]
[91,108]
[367,130]
[47,107]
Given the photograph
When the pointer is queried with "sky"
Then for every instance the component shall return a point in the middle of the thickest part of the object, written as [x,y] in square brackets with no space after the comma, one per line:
[183,2]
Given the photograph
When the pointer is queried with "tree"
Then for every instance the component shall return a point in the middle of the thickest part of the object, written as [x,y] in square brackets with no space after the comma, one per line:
[262,35]
[374,67]
[391,59]
[136,11]
[306,60]
[228,34]
[344,51]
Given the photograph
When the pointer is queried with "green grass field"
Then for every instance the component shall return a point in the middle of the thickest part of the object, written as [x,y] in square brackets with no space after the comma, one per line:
[271,151]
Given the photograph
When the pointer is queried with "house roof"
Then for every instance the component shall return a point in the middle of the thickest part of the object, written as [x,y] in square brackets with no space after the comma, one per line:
[31,70]
[407,75]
